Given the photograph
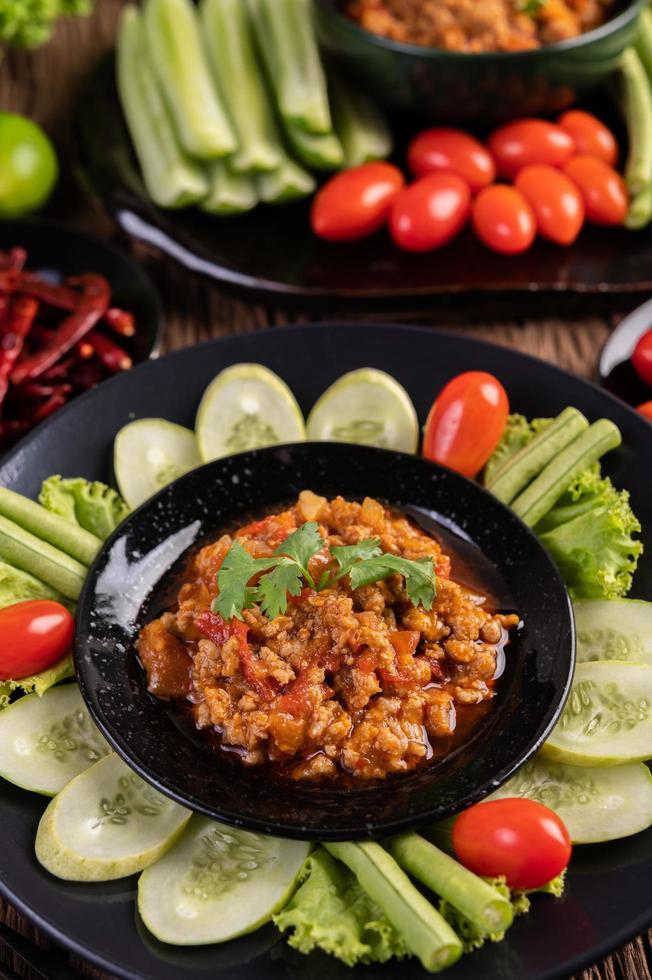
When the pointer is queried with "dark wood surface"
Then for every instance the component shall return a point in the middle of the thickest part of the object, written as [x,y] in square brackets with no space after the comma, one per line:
[44,85]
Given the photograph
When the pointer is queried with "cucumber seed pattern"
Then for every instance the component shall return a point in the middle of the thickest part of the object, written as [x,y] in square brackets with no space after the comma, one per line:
[594,709]
[74,733]
[223,860]
[133,798]
[598,644]
[548,784]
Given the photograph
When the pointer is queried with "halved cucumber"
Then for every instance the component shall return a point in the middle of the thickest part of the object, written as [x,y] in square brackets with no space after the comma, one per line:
[608,717]
[107,823]
[247,406]
[47,741]
[367,407]
[218,882]
[150,453]
[614,629]
[595,804]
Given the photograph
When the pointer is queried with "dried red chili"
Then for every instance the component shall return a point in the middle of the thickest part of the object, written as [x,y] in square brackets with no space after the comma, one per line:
[93,302]
[12,337]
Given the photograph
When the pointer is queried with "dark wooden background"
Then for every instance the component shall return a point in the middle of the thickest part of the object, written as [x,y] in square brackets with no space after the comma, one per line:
[44,85]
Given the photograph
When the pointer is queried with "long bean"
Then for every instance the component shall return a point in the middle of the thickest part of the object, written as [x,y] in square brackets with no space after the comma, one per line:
[228,35]
[28,553]
[230,192]
[637,107]
[171,178]
[181,66]
[425,931]
[359,123]
[479,901]
[69,538]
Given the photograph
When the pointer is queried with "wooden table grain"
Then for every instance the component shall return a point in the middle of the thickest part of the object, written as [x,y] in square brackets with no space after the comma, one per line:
[44,85]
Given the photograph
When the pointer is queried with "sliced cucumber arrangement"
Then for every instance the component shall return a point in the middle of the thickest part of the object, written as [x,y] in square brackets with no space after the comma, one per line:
[614,629]
[107,823]
[218,882]
[247,406]
[367,407]
[608,717]
[595,804]
[150,453]
[47,741]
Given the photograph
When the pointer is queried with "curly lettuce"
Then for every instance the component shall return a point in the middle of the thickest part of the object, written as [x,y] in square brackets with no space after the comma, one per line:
[590,533]
[93,506]
[28,23]
[37,683]
[331,912]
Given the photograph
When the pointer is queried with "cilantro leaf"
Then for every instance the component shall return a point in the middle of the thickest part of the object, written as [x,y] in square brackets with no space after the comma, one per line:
[274,587]
[301,546]
[348,554]
[419,575]
[238,568]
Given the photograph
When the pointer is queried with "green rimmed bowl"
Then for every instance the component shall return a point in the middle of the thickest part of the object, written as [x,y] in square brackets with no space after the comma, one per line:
[487,88]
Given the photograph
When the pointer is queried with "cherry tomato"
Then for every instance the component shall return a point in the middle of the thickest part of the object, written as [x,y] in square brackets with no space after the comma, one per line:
[455,152]
[429,212]
[503,219]
[642,358]
[646,410]
[518,144]
[520,839]
[605,196]
[466,422]
[33,636]
[355,202]
[555,200]
[590,134]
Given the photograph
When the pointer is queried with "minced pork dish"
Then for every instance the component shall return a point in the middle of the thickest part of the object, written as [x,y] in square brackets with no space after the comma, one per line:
[480,25]
[358,682]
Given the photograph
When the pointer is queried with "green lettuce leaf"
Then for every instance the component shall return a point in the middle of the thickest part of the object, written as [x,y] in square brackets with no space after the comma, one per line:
[19,586]
[38,683]
[517,433]
[93,506]
[330,911]
[590,534]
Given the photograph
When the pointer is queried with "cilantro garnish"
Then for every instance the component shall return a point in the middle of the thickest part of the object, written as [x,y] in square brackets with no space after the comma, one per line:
[532,7]
[286,573]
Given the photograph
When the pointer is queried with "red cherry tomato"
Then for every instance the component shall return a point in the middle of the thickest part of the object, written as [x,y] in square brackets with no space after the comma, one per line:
[555,200]
[33,636]
[520,839]
[466,422]
[455,152]
[646,410]
[429,212]
[591,136]
[518,144]
[642,358]
[605,195]
[503,219]
[355,202]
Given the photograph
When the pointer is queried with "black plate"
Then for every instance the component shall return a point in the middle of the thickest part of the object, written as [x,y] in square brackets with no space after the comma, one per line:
[271,251]
[615,368]
[56,251]
[133,569]
[608,898]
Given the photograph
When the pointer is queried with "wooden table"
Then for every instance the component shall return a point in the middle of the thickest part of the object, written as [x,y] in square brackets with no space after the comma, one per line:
[44,85]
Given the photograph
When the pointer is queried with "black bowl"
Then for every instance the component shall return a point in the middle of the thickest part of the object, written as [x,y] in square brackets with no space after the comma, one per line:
[483,88]
[127,585]
[56,251]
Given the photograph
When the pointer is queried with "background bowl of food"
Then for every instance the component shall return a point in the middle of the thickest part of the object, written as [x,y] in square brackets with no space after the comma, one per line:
[462,61]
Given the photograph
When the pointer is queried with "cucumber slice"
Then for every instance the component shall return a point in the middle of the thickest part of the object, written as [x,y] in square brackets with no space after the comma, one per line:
[367,407]
[150,453]
[107,823]
[47,741]
[217,883]
[595,804]
[614,629]
[247,406]
[608,717]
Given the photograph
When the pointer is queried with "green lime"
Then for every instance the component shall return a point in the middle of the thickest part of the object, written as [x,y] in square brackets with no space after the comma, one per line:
[28,166]
[247,406]
[368,407]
